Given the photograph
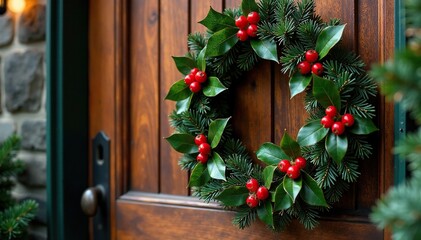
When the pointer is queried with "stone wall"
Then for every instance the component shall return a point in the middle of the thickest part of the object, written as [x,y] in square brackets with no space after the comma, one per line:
[23,100]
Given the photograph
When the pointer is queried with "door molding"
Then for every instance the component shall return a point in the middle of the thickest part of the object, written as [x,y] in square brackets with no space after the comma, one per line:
[67,117]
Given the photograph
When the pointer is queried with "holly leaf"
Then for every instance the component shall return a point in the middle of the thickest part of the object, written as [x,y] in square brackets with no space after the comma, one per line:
[248,6]
[292,187]
[290,146]
[201,60]
[213,87]
[336,146]
[298,83]
[233,196]
[265,49]
[183,105]
[271,154]
[178,91]
[325,92]
[311,193]
[216,128]
[199,176]
[282,199]
[183,143]
[216,167]
[328,38]
[265,213]
[216,21]
[311,133]
[221,42]
[184,64]
[268,175]
[363,126]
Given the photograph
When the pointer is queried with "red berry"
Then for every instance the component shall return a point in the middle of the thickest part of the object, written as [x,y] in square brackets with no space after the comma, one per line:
[194,71]
[252,201]
[202,158]
[241,22]
[252,185]
[283,165]
[311,56]
[242,35]
[262,193]
[293,172]
[331,111]
[205,148]
[304,67]
[199,139]
[195,87]
[300,162]
[201,77]
[327,121]
[338,128]
[253,17]
[317,69]
[188,79]
[252,30]
[348,119]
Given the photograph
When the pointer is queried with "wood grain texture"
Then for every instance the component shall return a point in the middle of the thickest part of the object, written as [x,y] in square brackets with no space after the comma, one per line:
[199,10]
[146,217]
[144,92]
[172,42]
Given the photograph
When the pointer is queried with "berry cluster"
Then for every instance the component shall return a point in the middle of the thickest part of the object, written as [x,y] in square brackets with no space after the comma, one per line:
[195,79]
[247,26]
[204,148]
[256,193]
[336,122]
[292,169]
[310,64]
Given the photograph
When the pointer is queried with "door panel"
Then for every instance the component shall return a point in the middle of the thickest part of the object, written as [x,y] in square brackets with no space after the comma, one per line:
[131,70]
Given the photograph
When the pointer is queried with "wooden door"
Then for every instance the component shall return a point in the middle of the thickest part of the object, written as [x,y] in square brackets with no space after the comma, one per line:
[130,47]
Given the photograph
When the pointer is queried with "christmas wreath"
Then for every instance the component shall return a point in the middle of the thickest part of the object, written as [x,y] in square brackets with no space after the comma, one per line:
[301,178]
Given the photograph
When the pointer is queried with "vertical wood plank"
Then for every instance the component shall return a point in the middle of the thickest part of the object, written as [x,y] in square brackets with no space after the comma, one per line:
[199,10]
[232,3]
[172,42]
[144,92]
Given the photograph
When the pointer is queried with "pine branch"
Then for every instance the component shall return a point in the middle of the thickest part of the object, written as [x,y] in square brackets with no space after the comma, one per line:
[14,220]
[244,217]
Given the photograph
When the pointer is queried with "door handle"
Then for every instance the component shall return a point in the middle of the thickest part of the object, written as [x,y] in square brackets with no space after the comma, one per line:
[91,199]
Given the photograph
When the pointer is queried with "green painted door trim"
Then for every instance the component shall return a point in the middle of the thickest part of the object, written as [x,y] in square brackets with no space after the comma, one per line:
[67,117]
[399,112]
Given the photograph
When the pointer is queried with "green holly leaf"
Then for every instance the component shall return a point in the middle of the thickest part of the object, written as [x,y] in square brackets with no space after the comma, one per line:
[213,87]
[326,93]
[216,21]
[248,6]
[336,146]
[216,129]
[311,133]
[183,143]
[221,42]
[183,105]
[311,193]
[292,187]
[328,38]
[282,199]
[298,83]
[199,176]
[216,167]
[265,49]
[233,196]
[271,154]
[201,60]
[268,175]
[178,91]
[265,213]
[184,64]
[363,126]
[290,146]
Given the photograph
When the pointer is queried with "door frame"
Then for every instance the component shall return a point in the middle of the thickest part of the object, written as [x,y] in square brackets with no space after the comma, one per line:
[68,115]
